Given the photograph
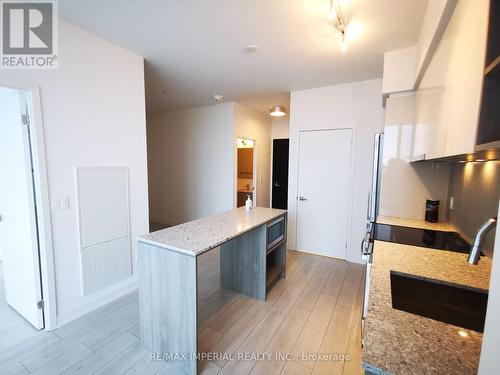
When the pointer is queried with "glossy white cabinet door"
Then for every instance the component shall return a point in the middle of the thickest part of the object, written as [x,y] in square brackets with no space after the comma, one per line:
[448,97]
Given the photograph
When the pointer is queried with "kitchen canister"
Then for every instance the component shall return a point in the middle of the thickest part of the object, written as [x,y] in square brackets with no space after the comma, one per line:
[432,210]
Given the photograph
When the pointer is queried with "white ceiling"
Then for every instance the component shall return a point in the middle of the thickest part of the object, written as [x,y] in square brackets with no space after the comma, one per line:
[195,48]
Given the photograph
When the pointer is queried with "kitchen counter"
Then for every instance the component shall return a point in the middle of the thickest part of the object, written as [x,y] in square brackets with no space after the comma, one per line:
[197,236]
[403,343]
[415,223]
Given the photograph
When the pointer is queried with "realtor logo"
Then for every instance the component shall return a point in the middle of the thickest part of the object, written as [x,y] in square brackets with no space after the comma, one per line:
[29,34]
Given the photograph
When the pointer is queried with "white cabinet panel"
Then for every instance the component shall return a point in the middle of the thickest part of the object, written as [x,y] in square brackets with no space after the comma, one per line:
[447,100]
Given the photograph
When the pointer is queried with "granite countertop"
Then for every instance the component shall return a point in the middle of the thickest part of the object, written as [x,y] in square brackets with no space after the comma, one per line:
[197,236]
[415,223]
[404,343]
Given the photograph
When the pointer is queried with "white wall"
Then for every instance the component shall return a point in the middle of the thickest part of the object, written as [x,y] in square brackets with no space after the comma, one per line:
[191,162]
[399,70]
[94,115]
[488,364]
[355,105]
[254,125]
[280,127]
[405,186]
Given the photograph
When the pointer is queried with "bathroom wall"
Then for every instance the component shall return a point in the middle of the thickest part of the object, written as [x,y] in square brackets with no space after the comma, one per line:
[475,188]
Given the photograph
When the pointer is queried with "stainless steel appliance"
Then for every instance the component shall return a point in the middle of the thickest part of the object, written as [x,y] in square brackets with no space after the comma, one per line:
[372,212]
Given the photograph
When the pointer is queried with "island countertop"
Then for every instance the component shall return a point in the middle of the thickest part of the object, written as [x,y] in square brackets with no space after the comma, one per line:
[197,236]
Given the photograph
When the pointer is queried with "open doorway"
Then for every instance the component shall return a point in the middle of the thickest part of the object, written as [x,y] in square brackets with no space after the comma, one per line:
[279,192]
[21,295]
[246,174]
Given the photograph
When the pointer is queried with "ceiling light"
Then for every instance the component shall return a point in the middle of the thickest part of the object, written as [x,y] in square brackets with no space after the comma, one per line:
[343,47]
[340,24]
[218,98]
[251,48]
[463,161]
[480,160]
[277,111]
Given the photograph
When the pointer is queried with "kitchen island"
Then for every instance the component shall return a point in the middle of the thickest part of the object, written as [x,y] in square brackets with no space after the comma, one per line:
[252,257]
[400,342]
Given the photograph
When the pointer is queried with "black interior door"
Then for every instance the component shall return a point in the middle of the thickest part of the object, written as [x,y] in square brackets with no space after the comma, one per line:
[280,173]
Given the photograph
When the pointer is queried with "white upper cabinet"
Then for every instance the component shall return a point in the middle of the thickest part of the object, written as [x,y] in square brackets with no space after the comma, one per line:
[448,97]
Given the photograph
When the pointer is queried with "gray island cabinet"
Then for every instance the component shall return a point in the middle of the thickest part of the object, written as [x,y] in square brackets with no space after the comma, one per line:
[252,258]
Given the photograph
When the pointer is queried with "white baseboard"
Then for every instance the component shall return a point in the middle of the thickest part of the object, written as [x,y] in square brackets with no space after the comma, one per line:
[99,299]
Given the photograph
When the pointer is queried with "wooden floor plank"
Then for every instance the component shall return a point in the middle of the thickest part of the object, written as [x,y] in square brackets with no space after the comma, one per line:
[102,356]
[208,368]
[207,338]
[224,321]
[310,294]
[145,366]
[353,365]
[288,298]
[336,339]
[14,369]
[282,342]
[316,326]
[124,361]
[15,353]
[64,361]
[295,368]
[254,343]
[112,331]
[235,336]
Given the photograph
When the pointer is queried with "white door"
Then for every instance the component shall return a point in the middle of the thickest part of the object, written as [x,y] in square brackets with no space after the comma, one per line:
[18,228]
[324,191]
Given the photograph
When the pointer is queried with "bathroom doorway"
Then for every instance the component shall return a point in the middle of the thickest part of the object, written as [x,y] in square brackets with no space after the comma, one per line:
[246,171]
[27,283]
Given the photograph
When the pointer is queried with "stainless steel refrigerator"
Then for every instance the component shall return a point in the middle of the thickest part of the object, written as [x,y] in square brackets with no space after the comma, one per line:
[371,217]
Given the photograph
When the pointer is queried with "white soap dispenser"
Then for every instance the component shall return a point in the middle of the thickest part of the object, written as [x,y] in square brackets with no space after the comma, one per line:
[248,203]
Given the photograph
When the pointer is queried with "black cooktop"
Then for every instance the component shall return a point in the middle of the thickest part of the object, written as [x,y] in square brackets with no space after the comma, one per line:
[433,239]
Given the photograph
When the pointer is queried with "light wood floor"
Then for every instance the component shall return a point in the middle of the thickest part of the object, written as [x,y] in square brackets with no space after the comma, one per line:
[316,309]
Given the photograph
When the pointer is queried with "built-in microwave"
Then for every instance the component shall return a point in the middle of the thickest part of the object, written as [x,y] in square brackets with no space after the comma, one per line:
[275,231]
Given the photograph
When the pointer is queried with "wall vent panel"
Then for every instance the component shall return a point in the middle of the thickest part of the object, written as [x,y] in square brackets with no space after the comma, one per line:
[103,216]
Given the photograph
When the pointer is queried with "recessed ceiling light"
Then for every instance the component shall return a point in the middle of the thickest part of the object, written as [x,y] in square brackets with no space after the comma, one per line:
[277,111]
[251,48]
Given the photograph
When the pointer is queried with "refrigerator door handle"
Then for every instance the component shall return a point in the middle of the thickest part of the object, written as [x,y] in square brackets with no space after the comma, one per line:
[369,213]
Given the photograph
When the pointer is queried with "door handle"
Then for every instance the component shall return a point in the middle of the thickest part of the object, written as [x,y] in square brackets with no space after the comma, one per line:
[302,199]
